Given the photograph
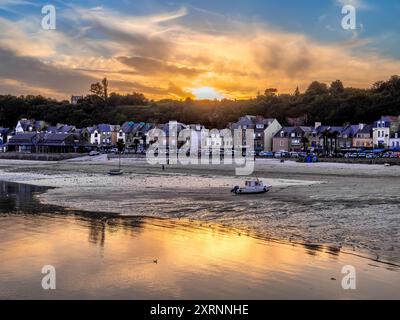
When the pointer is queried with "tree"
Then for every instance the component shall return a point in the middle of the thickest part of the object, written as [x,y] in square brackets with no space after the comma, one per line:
[325,136]
[104,82]
[317,88]
[97,89]
[305,142]
[390,87]
[297,92]
[271,92]
[100,89]
[336,87]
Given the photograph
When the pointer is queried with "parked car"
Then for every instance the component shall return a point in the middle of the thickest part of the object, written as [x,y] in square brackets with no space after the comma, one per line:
[94,153]
[266,154]
[294,154]
[389,155]
[351,155]
[371,156]
[282,154]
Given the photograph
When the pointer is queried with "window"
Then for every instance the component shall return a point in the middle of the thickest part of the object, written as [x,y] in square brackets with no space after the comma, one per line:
[282,143]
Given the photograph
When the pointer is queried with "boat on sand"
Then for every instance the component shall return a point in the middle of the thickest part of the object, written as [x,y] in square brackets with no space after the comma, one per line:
[252,187]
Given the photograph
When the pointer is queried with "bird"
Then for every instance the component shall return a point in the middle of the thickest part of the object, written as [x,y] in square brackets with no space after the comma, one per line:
[155,261]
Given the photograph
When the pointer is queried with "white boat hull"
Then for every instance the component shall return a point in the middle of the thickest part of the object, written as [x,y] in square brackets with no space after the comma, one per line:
[244,191]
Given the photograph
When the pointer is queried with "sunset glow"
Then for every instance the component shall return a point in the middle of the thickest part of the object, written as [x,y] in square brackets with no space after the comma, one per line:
[207,93]
[163,50]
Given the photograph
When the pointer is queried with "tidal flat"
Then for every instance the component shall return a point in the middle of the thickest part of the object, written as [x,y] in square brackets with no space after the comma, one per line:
[106,232]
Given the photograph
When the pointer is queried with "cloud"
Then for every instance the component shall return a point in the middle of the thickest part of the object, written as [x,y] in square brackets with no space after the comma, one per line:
[33,73]
[359,4]
[143,36]
[153,67]
[170,54]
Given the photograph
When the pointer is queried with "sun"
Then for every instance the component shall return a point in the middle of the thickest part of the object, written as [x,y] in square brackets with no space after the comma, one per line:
[207,93]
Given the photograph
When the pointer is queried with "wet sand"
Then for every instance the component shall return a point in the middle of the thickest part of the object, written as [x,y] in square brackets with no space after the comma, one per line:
[320,216]
[116,260]
[355,207]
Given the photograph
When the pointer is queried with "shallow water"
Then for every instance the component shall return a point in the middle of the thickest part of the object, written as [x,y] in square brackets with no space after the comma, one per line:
[114,257]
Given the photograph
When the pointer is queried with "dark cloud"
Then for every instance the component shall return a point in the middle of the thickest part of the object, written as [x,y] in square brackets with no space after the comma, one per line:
[150,66]
[140,44]
[129,86]
[35,73]
[172,89]
[290,59]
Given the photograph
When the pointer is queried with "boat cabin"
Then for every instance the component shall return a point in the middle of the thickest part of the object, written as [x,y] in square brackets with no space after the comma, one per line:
[253,184]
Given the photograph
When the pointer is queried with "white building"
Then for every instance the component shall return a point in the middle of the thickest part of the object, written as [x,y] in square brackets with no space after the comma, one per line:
[381,131]
[395,140]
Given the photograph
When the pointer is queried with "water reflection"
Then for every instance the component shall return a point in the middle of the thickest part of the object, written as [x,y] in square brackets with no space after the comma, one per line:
[106,256]
[16,197]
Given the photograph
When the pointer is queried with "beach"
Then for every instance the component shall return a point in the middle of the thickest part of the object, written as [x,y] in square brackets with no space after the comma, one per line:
[319,216]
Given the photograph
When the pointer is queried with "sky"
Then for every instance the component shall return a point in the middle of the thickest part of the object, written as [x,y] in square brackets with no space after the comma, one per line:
[202,49]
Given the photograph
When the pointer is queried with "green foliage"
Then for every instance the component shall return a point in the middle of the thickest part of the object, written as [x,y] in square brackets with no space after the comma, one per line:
[335,105]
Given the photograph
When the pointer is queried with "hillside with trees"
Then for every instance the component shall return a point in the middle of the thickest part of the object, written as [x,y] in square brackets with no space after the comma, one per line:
[330,104]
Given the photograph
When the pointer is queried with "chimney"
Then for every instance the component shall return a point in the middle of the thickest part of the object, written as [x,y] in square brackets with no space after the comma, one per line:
[318,124]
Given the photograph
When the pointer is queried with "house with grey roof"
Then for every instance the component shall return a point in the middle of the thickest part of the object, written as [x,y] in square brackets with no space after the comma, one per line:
[395,141]
[134,135]
[60,143]
[264,131]
[281,140]
[347,135]
[25,126]
[363,138]
[102,135]
[24,142]
[383,129]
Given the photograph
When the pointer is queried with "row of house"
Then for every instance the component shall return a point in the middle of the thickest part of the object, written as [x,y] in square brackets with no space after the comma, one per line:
[382,134]
[37,136]
[268,135]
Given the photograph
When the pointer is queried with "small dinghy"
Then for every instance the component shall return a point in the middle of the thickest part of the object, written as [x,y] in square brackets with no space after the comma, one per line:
[252,187]
[117,172]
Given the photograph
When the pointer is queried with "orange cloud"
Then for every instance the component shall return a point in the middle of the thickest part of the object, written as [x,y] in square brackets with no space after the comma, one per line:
[164,57]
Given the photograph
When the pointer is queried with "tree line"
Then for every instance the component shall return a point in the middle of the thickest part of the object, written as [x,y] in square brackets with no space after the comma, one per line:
[330,104]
